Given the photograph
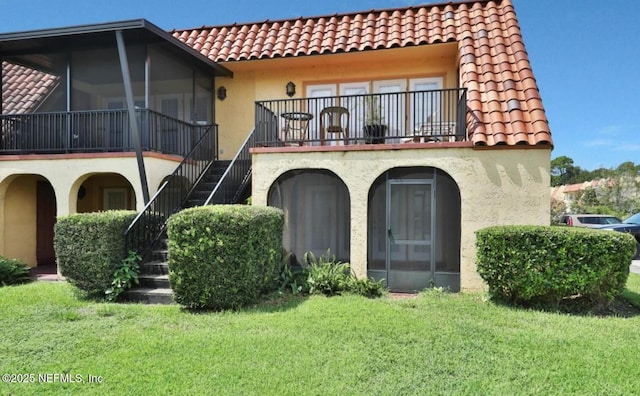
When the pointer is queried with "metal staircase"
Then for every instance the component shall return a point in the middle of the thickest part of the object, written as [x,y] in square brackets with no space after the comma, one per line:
[217,182]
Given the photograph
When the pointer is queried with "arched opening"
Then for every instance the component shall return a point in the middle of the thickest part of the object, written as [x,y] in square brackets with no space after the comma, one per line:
[28,221]
[414,229]
[105,191]
[317,212]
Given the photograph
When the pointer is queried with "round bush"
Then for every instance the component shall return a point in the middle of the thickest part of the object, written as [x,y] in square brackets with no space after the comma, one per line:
[537,264]
[224,256]
[90,247]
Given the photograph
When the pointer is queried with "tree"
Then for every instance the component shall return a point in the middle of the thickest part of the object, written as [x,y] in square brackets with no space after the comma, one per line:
[618,195]
[564,172]
[628,167]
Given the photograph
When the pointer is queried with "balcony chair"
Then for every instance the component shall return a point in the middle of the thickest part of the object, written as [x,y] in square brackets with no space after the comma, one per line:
[334,120]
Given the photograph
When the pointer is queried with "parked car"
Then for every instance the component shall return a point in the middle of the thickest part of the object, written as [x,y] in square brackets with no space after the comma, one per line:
[630,225]
[589,220]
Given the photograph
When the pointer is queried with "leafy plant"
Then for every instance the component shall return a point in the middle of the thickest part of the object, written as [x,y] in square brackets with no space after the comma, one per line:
[293,279]
[373,113]
[328,276]
[13,272]
[124,277]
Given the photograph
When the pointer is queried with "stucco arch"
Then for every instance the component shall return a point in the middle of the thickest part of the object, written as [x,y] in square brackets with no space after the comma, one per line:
[28,204]
[414,229]
[90,192]
[316,204]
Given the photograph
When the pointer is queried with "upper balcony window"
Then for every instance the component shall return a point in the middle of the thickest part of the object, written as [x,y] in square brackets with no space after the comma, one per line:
[393,110]
[96,77]
[177,89]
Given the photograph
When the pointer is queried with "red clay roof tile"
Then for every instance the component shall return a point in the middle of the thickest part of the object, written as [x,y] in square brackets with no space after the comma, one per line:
[24,89]
[493,62]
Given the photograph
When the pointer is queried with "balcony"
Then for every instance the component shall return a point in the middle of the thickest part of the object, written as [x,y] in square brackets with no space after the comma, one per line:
[98,131]
[383,118]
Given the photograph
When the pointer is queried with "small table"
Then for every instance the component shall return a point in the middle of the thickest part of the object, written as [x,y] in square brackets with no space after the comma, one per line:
[443,131]
[297,124]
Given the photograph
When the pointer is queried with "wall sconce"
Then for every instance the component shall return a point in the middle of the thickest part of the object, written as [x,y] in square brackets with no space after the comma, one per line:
[222,92]
[291,89]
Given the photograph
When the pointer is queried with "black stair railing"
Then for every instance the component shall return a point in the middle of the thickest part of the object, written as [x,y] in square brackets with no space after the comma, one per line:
[151,222]
[236,178]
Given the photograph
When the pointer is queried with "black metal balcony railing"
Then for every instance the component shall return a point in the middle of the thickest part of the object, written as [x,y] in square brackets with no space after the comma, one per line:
[95,131]
[399,117]
[150,224]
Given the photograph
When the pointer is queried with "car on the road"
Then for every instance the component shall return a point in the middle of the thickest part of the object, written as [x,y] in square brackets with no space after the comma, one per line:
[630,225]
[588,220]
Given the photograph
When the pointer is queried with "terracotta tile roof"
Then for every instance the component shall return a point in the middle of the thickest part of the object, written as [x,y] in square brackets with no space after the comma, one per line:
[503,97]
[24,89]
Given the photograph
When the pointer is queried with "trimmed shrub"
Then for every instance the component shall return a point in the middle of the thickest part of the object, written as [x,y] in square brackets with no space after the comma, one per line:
[542,265]
[90,248]
[13,272]
[224,256]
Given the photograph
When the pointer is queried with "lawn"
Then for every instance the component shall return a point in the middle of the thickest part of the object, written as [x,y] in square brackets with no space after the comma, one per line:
[437,343]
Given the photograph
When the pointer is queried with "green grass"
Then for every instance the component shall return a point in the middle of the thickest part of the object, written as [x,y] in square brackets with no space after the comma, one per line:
[437,343]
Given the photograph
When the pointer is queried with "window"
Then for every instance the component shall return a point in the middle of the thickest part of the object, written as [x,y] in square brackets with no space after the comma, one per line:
[425,108]
[115,199]
[398,111]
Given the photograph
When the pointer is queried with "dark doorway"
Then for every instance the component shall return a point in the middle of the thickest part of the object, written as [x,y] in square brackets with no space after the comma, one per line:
[45,221]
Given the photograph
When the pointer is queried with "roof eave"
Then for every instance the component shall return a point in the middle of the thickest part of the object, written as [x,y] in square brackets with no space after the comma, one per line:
[36,40]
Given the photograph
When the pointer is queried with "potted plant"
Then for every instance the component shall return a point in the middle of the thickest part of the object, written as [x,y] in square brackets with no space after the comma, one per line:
[374,128]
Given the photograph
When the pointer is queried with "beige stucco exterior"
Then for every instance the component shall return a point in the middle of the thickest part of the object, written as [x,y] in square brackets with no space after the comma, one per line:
[18,218]
[65,173]
[497,187]
[508,185]
[266,80]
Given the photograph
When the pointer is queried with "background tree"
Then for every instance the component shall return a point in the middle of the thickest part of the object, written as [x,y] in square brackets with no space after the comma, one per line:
[564,172]
[617,194]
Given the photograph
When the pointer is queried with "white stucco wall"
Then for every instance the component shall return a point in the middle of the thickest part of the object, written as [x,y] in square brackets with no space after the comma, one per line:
[497,187]
[66,174]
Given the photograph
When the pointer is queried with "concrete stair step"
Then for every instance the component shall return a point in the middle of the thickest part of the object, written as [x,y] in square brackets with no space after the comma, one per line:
[154,281]
[151,295]
[154,268]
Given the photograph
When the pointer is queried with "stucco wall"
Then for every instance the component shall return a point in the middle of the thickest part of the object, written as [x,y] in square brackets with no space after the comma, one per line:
[266,80]
[66,174]
[497,187]
[18,180]
[19,220]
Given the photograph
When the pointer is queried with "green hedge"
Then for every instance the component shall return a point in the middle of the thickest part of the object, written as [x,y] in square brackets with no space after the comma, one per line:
[543,265]
[90,247]
[224,256]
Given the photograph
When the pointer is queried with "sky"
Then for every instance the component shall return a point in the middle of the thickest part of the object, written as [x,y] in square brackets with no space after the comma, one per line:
[584,54]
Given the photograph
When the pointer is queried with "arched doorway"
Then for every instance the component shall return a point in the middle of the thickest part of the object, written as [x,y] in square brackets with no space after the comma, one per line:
[29,206]
[414,229]
[105,191]
[317,211]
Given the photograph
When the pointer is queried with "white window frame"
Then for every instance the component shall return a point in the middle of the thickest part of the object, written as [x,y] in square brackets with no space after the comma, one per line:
[392,116]
[434,112]
[123,192]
